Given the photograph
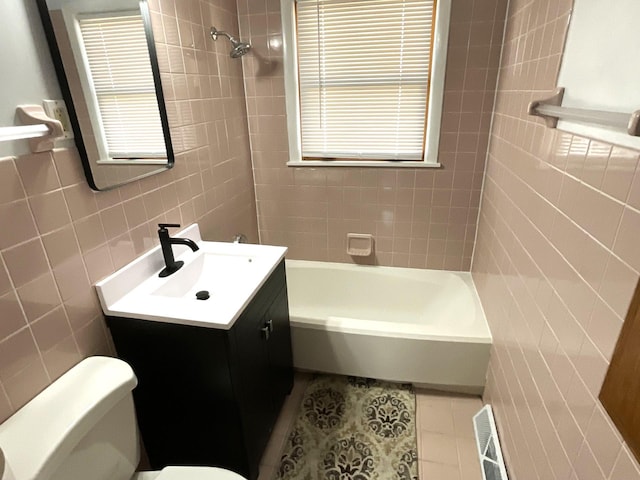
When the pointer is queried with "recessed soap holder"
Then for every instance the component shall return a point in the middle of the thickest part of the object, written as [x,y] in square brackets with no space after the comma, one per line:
[359,244]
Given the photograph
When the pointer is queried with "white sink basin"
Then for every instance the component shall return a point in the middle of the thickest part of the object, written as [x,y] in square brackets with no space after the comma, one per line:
[230,273]
[212,272]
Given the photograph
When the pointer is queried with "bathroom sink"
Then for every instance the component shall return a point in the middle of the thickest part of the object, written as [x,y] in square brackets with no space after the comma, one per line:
[215,273]
[212,288]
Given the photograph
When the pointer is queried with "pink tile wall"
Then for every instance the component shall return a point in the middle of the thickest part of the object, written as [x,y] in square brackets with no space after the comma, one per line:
[419,218]
[556,263]
[58,237]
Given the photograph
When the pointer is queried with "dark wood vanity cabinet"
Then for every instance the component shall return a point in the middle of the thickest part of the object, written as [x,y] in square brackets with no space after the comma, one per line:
[207,396]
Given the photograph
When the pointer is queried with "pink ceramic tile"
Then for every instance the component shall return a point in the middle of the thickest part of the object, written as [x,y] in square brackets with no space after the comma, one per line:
[26,262]
[98,262]
[50,211]
[618,176]
[39,296]
[80,201]
[113,221]
[92,338]
[90,233]
[580,402]
[438,470]
[13,318]
[26,384]
[603,440]
[61,246]
[597,214]
[437,420]
[5,406]
[591,366]
[38,173]
[618,285]
[142,238]
[603,328]
[596,163]
[61,357]
[51,329]
[438,448]
[82,308]
[71,277]
[153,203]
[626,467]
[108,199]
[470,468]
[634,192]
[171,33]
[16,353]
[10,184]
[586,466]
[592,261]
[122,250]
[626,242]
[69,166]
[18,215]
[135,212]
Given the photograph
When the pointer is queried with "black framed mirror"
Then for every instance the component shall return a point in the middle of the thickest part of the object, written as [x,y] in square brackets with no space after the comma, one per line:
[105,59]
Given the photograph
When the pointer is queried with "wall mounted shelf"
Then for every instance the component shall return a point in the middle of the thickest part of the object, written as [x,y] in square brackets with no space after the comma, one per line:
[551,110]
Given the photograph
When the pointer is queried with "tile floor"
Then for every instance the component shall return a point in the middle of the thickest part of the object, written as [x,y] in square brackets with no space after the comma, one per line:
[446,446]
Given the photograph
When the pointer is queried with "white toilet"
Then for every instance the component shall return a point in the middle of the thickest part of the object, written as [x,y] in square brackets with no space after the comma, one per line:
[83,427]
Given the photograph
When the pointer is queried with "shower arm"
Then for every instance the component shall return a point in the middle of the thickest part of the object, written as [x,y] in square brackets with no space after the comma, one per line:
[215,32]
[239,48]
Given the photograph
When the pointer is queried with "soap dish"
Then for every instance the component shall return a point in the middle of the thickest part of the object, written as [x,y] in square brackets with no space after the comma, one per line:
[359,244]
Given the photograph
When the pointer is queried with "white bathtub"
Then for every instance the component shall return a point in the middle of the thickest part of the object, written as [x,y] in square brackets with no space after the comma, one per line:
[420,326]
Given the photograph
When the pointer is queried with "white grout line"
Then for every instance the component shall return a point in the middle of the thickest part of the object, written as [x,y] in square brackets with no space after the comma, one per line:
[493,117]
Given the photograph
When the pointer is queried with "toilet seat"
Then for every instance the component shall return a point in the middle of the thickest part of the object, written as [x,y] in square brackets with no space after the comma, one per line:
[197,473]
[189,473]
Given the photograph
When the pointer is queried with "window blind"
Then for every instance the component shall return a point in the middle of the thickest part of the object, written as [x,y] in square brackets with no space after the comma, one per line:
[121,75]
[363,77]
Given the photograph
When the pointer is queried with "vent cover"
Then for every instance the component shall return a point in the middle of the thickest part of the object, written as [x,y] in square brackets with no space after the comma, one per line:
[491,460]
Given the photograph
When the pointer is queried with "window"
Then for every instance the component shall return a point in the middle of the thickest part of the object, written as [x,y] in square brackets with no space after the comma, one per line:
[364,80]
[119,75]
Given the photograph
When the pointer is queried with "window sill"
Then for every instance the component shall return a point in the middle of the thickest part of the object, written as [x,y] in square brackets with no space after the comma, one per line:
[374,164]
[133,161]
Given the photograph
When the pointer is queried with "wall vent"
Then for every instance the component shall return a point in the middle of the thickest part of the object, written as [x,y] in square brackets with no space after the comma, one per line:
[491,461]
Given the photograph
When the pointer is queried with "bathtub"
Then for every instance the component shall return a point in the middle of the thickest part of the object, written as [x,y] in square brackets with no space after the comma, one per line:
[400,324]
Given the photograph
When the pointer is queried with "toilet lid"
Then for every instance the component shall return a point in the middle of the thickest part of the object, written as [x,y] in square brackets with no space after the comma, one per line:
[197,473]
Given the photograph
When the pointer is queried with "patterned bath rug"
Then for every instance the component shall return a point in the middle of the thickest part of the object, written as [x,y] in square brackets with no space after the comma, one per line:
[352,428]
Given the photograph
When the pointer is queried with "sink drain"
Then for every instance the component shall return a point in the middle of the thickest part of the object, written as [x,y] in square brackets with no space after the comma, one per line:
[203,295]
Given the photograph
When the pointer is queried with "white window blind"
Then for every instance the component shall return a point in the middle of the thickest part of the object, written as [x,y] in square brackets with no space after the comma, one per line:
[364,77]
[121,76]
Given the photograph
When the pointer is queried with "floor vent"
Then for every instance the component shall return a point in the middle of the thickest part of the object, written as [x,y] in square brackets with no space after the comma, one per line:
[491,460]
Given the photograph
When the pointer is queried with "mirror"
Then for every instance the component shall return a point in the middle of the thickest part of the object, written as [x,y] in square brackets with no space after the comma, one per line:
[106,63]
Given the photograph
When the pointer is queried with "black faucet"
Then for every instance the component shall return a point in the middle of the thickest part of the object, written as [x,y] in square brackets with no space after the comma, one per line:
[171,266]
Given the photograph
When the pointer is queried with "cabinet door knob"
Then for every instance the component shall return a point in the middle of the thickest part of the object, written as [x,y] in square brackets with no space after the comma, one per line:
[270,325]
[266,332]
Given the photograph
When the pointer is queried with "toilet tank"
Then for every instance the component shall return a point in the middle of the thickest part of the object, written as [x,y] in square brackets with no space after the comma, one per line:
[83,426]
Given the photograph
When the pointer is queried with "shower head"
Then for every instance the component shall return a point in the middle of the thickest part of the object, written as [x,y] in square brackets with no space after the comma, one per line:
[239,48]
